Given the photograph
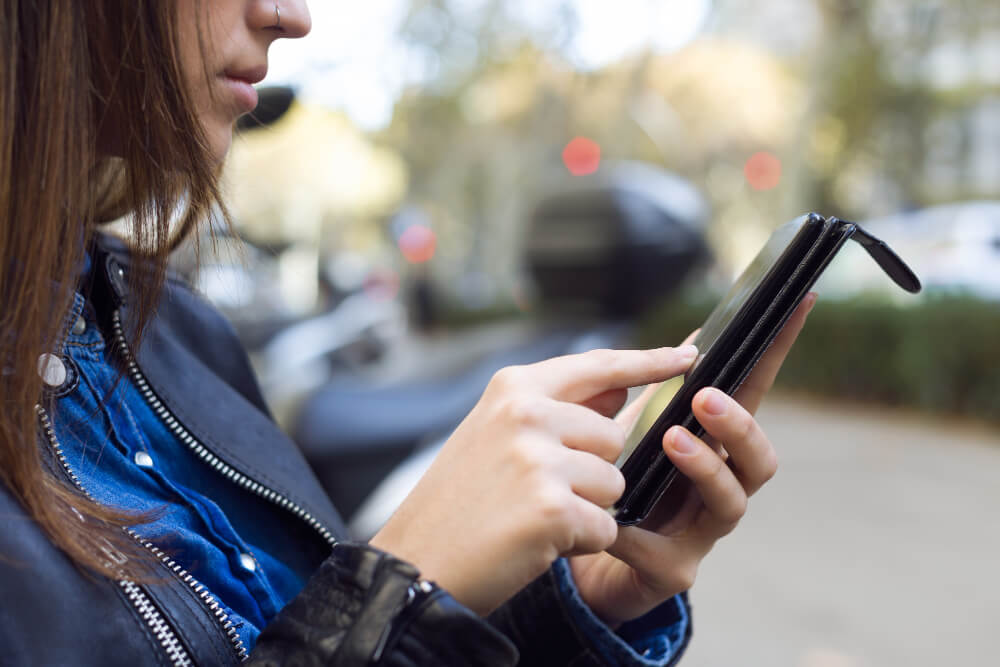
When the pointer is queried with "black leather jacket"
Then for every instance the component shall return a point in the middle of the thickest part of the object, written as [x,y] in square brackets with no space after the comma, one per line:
[361,607]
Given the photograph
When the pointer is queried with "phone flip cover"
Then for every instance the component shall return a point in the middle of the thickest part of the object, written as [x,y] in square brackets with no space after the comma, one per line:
[735,337]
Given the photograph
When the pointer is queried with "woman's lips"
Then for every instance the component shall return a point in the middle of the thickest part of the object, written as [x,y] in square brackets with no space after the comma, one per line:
[245,94]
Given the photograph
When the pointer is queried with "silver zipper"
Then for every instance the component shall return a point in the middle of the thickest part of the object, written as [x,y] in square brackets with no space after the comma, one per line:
[161,630]
[203,594]
[147,611]
[199,449]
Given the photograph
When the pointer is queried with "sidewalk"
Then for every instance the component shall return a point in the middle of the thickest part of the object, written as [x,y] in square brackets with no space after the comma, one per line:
[877,545]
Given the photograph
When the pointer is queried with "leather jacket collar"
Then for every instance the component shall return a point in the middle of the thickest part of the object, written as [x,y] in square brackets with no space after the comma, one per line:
[190,358]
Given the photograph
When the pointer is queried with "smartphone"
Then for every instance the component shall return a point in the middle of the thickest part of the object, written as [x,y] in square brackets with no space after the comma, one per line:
[731,342]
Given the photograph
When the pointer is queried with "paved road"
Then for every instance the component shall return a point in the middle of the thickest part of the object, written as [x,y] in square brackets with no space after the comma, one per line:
[877,545]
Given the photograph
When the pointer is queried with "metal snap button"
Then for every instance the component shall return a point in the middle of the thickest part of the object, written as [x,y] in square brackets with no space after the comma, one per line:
[116,276]
[52,370]
[143,460]
[248,562]
[80,326]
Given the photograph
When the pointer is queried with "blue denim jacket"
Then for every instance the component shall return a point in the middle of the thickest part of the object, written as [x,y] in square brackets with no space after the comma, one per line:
[231,541]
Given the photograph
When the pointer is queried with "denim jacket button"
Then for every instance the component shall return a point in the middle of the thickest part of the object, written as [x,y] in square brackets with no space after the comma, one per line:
[143,460]
[248,562]
[52,370]
[80,326]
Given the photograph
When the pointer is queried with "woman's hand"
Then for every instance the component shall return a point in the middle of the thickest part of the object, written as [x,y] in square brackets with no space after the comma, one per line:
[656,560]
[526,477]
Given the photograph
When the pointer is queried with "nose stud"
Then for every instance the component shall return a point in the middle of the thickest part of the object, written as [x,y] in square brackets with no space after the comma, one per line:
[277,16]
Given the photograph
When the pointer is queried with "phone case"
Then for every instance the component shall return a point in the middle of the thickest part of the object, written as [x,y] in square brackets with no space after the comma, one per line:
[735,337]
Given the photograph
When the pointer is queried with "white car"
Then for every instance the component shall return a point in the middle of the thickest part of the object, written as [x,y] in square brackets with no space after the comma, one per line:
[953,248]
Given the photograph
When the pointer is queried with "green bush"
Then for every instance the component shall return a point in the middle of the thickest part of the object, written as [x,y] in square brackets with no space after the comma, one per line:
[940,355]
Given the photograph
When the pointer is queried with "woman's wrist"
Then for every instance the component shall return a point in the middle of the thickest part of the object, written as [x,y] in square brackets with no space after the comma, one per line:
[422,560]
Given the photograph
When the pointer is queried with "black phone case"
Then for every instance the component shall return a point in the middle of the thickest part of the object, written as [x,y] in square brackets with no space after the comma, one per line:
[648,473]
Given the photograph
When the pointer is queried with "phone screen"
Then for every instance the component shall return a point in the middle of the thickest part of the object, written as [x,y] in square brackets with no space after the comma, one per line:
[728,308]
[746,285]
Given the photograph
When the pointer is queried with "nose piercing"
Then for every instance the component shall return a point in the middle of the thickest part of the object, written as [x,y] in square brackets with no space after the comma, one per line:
[277,16]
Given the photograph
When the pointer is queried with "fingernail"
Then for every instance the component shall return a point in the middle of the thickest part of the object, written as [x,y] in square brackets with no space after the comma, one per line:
[811,300]
[681,442]
[687,352]
[714,403]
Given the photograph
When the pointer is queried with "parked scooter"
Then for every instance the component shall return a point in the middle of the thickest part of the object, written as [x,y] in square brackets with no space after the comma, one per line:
[294,353]
[601,249]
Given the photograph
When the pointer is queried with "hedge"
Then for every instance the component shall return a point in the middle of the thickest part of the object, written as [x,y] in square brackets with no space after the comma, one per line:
[940,355]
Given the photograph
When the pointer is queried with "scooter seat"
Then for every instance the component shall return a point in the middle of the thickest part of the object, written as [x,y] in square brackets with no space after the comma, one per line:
[345,418]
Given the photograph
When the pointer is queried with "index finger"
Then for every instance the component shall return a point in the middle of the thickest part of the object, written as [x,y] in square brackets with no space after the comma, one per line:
[631,412]
[579,377]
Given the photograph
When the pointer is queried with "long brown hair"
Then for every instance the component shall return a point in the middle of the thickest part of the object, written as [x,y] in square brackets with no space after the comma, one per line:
[75,79]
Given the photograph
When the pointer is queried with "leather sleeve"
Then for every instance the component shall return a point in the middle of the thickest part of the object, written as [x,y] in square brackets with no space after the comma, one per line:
[365,607]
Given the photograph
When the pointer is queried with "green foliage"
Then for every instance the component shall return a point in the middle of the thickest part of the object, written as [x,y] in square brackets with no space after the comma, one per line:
[939,356]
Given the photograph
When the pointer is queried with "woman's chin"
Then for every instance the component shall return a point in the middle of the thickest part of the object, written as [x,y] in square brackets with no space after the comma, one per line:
[220,140]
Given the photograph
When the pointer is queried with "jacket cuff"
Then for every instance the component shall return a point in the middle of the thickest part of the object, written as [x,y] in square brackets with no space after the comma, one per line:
[550,624]
[364,606]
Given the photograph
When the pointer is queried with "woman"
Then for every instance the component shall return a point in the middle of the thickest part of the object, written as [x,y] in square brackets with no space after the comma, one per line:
[153,512]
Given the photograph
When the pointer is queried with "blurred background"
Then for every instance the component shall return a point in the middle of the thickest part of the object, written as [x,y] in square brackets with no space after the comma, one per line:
[443,187]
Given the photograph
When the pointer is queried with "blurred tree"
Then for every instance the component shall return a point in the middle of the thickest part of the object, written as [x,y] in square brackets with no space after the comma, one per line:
[881,110]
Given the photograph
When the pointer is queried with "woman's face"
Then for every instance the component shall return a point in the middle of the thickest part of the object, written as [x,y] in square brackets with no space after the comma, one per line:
[235,35]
